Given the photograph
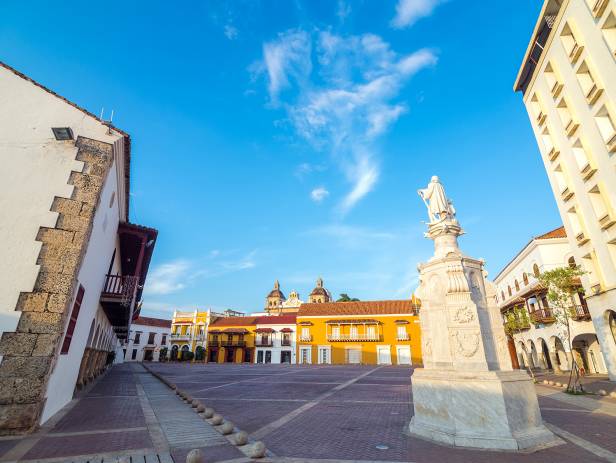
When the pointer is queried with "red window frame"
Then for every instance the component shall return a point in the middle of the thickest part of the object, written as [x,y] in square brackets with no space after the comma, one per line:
[72,323]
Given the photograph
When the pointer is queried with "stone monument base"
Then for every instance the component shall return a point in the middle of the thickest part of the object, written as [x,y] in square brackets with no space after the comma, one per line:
[485,409]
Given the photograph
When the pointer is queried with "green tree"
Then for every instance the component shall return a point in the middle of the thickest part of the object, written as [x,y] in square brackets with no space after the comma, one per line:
[162,355]
[563,284]
[516,321]
[344,297]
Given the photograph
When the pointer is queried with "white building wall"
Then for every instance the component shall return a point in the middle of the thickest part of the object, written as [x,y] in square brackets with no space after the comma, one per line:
[277,347]
[593,244]
[145,331]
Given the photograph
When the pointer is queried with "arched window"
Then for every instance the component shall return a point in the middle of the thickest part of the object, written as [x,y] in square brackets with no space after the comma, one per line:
[503,295]
[509,290]
[525,279]
[571,262]
[517,285]
[536,271]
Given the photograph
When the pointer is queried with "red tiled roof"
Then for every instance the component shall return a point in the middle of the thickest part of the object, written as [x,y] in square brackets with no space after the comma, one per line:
[556,233]
[148,321]
[286,319]
[358,308]
[234,321]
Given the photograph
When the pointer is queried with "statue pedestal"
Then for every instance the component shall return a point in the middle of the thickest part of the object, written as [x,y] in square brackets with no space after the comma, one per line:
[467,394]
[487,410]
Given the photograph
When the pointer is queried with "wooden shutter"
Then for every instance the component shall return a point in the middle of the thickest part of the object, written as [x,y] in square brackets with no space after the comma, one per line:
[72,323]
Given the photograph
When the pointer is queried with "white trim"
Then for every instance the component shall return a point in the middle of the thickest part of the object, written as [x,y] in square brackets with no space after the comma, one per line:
[354,317]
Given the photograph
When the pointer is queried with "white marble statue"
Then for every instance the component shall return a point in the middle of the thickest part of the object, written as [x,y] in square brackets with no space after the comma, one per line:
[439,207]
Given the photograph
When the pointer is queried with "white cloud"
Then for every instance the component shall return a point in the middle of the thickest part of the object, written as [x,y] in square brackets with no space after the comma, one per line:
[408,12]
[230,32]
[287,57]
[343,10]
[168,278]
[319,194]
[347,101]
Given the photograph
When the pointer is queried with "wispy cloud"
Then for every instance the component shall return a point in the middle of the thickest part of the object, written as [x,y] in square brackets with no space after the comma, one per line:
[230,32]
[344,98]
[343,10]
[350,236]
[408,12]
[319,194]
[168,278]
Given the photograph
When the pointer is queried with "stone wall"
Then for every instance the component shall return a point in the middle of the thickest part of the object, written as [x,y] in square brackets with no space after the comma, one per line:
[29,353]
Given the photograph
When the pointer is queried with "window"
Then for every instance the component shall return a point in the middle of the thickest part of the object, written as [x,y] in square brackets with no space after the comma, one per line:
[606,125]
[133,356]
[553,81]
[509,290]
[536,271]
[151,338]
[324,355]
[582,159]
[517,285]
[401,332]
[525,279]
[62,133]
[548,145]
[336,332]
[599,205]
[589,84]
[571,262]
[597,7]
[72,322]
[306,333]
[354,332]
[566,117]
[371,332]
[137,337]
[570,43]
[609,32]
[164,340]
[503,295]
[537,109]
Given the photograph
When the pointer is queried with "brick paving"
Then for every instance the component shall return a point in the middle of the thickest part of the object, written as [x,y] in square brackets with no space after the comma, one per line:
[364,421]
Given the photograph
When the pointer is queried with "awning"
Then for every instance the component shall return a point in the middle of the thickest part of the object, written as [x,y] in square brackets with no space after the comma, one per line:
[286,330]
[265,330]
[401,322]
[306,323]
[215,332]
[367,321]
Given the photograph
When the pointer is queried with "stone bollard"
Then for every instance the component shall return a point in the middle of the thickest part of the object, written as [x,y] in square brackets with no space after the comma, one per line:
[545,381]
[241,438]
[200,408]
[257,450]
[173,386]
[188,399]
[558,384]
[123,459]
[551,383]
[208,413]
[195,403]
[226,428]
[613,394]
[195,456]
[216,420]
[602,392]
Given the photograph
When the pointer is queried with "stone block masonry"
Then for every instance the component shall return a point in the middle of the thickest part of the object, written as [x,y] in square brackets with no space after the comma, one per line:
[29,353]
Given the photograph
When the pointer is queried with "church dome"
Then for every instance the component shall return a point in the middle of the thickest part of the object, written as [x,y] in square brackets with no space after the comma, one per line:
[276,292]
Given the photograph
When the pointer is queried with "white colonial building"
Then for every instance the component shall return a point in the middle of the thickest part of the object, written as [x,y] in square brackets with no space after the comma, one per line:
[568,82]
[146,339]
[540,340]
[73,266]
[275,339]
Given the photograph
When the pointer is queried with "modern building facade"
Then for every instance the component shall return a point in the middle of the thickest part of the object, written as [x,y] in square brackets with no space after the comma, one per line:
[275,339]
[74,266]
[367,332]
[538,338]
[568,86]
[146,338]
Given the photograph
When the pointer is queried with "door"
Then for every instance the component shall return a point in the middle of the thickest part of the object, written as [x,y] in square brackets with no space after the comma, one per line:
[305,355]
[383,355]
[353,331]
[268,356]
[335,332]
[285,356]
[260,356]
[324,355]
[229,355]
[148,355]
[354,355]
[404,355]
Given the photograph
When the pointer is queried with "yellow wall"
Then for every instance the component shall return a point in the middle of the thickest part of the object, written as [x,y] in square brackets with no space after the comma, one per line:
[179,326]
[249,339]
[387,329]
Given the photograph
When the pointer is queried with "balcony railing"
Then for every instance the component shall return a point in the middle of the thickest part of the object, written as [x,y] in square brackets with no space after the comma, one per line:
[305,338]
[353,337]
[264,343]
[285,342]
[542,316]
[180,337]
[580,312]
[233,343]
[403,337]
[119,285]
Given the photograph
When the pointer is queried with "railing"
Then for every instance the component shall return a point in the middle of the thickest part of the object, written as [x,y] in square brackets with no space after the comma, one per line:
[285,342]
[403,337]
[542,316]
[264,343]
[580,312]
[215,343]
[200,337]
[305,338]
[180,337]
[353,337]
[118,285]
[233,343]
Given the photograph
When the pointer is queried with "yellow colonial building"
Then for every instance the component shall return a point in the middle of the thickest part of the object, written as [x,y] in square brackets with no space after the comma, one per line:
[231,340]
[366,332]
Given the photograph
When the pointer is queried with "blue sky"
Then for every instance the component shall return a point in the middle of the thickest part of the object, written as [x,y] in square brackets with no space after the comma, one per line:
[286,139]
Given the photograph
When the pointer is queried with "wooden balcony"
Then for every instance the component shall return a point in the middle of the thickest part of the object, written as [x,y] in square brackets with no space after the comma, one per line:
[285,342]
[305,338]
[580,313]
[233,343]
[264,342]
[180,337]
[542,316]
